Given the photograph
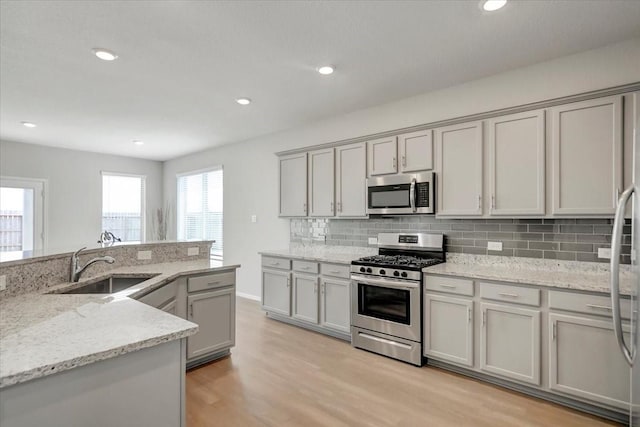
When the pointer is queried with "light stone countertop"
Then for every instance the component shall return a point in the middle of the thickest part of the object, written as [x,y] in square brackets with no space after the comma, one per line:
[42,334]
[572,275]
[322,253]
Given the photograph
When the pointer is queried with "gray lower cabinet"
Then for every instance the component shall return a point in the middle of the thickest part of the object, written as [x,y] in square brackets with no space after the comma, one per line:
[584,360]
[305,298]
[335,304]
[214,312]
[276,291]
[510,342]
[448,329]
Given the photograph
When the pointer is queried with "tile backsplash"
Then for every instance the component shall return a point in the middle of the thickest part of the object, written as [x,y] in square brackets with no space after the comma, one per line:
[563,239]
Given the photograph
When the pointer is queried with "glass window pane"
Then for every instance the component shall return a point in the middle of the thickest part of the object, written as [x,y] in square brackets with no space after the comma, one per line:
[122,201]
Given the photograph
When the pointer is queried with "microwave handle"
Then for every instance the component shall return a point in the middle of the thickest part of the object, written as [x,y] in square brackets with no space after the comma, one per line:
[412,195]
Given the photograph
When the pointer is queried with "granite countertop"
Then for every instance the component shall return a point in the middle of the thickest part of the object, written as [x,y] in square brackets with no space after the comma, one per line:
[574,275]
[322,253]
[43,334]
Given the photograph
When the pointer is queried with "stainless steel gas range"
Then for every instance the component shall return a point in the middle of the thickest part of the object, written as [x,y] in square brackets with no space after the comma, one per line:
[386,294]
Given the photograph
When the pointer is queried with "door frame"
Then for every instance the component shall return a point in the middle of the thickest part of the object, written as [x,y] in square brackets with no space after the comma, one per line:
[41,205]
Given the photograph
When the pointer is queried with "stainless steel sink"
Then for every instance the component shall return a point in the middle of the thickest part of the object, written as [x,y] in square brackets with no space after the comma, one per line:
[109,285]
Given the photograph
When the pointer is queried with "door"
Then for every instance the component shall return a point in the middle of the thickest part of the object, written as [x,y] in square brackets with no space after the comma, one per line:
[448,329]
[351,180]
[584,360]
[510,342]
[305,298]
[215,313]
[382,156]
[22,214]
[321,183]
[587,156]
[416,151]
[276,292]
[334,305]
[517,164]
[293,185]
[459,168]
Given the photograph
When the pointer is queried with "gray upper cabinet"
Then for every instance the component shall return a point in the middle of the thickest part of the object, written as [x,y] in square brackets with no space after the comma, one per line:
[293,185]
[517,164]
[459,167]
[351,180]
[416,151]
[383,156]
[587,156]
[321,182]
[214,312]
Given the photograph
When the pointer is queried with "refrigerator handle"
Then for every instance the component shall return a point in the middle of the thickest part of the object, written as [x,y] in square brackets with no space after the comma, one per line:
[616,242]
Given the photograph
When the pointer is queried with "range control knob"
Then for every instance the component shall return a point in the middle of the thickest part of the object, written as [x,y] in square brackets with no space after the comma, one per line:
[369,270]
[362,269]
[404,274]
[383,272]
[396,273]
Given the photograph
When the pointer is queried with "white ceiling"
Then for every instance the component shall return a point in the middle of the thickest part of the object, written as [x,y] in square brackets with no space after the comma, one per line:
[182,64]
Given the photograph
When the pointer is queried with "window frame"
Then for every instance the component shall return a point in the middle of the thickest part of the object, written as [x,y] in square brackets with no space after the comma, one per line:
[143,200]
[40,209]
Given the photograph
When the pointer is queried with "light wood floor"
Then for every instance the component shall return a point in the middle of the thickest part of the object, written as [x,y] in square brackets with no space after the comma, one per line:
[281,375]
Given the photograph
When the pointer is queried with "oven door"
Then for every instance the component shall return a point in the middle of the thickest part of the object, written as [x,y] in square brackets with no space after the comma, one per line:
[391,307]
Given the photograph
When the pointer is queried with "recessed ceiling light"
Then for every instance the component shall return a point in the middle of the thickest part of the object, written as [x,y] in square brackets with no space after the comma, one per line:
[28,124]
[493,5]
[243,101]
[138,142]
[326,70]
[104,54]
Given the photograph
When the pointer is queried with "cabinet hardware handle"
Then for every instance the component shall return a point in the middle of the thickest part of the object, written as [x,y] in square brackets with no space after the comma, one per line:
[191,309]
[506,294]
[553,331]
[288,283]
[469,313]
[322,288]
[213,283]
[304,268]
[275,263]
[339,206]
[484,318]
[393,164]
[404,161]
[493,201]
[334,272]
[315,288]
[448,286]
[599,307]
[304,207]
[331,209]
[480,202]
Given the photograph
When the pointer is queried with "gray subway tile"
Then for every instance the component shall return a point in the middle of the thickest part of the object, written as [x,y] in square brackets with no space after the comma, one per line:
[520,228]
[591,257]
[457,249]
[474,250]
[503,252]
[461,242]
[454,234]
[515,244]
[462,227]
[565,256]
[487,227]
[592,221]
[497,235]
[594,238]
[576,247]
[527,221]
[527,236]
[560,237]
[527,253]
[543,228]
[474,234]
[602,229]
[583,229]
[546,246]
[480,243]
[442,227]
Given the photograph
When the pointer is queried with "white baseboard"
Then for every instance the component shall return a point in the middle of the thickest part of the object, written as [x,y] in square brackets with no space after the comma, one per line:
[248,296]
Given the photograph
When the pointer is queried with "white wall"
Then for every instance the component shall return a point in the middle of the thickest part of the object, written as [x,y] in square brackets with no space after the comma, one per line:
[251,169]
[75,187]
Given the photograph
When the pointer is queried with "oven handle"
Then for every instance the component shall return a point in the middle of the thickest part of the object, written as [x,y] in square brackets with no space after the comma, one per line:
[384,282]
[412,195]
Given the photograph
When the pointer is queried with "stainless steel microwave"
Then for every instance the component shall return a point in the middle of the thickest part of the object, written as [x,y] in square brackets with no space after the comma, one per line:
[401,194]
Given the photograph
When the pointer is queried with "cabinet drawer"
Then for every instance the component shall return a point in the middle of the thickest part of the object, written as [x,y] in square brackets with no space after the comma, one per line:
[589,304]
[160,296]
[305,266]
[509,293]
[449,285]
[273,262]
[336,270]
[210,281]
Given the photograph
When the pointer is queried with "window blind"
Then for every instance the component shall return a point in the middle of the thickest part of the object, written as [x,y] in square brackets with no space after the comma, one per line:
[200,208]
[123,206]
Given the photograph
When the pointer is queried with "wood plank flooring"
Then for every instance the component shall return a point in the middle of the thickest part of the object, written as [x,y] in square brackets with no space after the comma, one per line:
[281,375]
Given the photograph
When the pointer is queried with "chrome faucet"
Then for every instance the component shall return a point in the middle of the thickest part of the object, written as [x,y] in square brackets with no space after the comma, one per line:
[76,270]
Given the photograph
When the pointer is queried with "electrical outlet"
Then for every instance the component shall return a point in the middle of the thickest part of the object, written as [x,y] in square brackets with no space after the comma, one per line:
[144,255]
[193,251]
[604,253]
[254,218]
[494,246]
[3,282]
[373,240]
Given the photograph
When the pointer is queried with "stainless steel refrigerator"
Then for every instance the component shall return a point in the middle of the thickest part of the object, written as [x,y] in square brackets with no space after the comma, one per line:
[628,343]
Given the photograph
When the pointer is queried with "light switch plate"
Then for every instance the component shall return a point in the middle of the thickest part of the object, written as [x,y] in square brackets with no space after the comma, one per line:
[3,282]
[494,246]
[604,253]
[143,255]
[373,240]
[193,251]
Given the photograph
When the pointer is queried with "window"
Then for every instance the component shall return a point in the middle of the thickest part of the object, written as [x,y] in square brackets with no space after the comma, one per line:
[200,208]
[21,215]
[123,206]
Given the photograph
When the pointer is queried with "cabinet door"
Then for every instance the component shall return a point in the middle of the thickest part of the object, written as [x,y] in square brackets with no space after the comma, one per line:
[215,314]
[293,185]
[305,298]
[335,305]
[510,342]
[382,154]
[170,307]
[584,360]
[276,292]
[321,183]
[448,329]
[459,168]
[416,151]
[351,180]
[587,156]
[517,164]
